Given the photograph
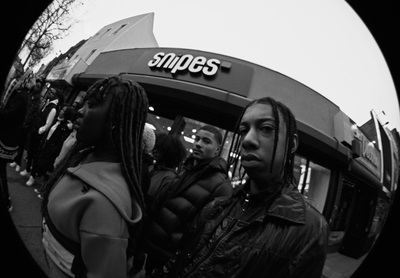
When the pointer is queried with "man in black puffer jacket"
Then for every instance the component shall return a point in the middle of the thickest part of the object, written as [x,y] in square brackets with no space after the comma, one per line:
[203,178]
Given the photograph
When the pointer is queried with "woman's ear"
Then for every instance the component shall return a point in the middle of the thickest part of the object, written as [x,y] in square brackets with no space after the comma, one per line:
[295,143]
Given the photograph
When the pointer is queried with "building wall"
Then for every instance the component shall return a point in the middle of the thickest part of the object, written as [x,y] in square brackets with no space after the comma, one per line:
[307,105]
[137,32]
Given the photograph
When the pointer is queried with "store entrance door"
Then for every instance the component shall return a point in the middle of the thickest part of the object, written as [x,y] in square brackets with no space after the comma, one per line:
[356,241]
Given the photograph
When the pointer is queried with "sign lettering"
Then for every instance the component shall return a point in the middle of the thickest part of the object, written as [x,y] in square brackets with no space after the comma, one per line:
[177,63]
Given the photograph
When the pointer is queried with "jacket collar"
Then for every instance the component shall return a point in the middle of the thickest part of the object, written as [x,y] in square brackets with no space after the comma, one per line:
[288,204]
[111,183]
[217,163]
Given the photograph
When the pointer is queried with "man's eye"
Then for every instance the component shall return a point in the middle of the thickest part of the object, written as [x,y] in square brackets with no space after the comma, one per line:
[242,131]
[267,128]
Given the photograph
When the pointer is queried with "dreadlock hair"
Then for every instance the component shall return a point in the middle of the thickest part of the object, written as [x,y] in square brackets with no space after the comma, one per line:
[291,131]
[125,123]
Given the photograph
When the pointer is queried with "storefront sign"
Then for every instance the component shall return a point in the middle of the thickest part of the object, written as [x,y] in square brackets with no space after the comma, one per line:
[179,63]
[370,156]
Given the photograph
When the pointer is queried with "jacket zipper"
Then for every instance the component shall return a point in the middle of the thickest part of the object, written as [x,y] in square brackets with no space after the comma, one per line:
[214,246]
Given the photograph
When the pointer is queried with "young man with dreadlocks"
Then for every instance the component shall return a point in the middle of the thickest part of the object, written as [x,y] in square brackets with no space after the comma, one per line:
[95,197]
[267,229]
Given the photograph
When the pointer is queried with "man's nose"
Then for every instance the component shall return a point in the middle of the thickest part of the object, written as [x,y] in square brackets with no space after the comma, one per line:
[250,140]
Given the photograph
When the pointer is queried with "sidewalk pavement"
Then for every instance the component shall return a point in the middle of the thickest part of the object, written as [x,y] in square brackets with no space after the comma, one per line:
[27,219]
[26,215]
[340,266]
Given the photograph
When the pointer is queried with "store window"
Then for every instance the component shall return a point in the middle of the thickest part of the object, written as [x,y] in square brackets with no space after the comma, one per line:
[312,181]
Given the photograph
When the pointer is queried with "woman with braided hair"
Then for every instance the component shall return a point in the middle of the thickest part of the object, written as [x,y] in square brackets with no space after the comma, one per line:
[94,198]
[266,229]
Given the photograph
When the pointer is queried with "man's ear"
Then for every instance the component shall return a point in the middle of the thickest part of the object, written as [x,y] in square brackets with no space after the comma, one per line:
[295,143]
[217,150]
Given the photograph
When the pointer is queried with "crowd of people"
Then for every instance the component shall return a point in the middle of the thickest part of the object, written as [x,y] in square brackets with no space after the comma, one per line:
[119,199]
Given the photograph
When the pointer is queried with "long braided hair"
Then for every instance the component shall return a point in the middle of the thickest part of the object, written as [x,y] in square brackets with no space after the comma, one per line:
[291,131]
[125,123]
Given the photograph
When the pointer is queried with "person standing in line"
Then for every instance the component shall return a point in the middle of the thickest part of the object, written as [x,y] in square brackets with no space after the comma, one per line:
[12,113]
[66,147]
[148,142]
[202,178]
[34,102]
[94,198]
[40,125]
[51,145]
[267,229]
[169,152]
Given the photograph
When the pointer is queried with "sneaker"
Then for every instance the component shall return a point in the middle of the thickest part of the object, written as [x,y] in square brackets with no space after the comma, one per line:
[37,191]
[40,196]
[13,164]
[31,181]
[18,168]
[10,208]
[24,173]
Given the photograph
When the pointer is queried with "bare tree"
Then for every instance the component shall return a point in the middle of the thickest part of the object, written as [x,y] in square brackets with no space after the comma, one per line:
[53,24]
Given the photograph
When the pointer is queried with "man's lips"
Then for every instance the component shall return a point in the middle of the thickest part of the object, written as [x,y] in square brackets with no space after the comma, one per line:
[197,151]
[249,157]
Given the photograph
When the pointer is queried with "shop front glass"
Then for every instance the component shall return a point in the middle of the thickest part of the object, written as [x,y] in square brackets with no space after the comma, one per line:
[312,181]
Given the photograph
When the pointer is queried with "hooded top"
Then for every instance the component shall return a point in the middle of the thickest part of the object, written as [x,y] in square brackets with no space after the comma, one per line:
[92,206]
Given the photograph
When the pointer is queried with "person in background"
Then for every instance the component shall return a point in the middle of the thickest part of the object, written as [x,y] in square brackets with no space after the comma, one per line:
[51,146]
[267,229]
[149,140]
[169,152]
[94,198]
[13,108]
[40,125]
[148,143]
[202,178]
[34,102]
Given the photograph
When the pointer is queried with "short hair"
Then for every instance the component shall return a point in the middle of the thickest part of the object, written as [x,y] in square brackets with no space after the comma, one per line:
[215,131]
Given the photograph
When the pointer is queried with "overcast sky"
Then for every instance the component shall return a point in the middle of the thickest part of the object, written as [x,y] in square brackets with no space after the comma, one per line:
[320,43]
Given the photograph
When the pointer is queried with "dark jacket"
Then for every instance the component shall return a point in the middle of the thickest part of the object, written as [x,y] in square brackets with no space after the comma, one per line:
[50,148]
[12,117]
[287,240]
[194,187]
[161,179]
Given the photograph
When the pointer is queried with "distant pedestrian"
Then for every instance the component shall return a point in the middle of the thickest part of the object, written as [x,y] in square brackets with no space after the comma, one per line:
[266,229]
[34,103]
[94,198]
[41,124]
[12,113]
[51,145]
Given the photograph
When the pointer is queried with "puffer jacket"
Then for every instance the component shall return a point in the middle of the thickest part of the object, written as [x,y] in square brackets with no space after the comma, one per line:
[193,188]
[92,207]
[288,239]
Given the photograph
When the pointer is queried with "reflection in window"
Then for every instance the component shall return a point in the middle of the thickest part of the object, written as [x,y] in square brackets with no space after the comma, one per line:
[313,181]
